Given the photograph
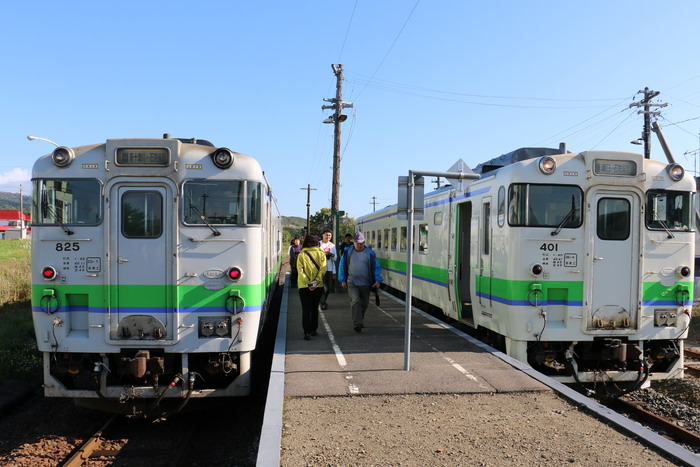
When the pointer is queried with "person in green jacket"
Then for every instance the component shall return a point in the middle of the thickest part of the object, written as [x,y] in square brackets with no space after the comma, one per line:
[311,267]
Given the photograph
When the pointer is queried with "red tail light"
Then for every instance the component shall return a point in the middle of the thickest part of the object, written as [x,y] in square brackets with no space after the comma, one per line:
[49,273]
[234,274]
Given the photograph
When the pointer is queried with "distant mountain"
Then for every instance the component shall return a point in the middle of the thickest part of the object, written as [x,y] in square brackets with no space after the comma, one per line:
[293,226]
[10,201]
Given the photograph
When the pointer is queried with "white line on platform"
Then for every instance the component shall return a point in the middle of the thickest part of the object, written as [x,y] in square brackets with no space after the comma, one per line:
[449,360]
[338,353]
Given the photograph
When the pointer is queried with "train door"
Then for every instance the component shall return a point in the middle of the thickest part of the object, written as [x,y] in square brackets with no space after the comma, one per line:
[141,298]
[614,270]
[485,257]
[464,224]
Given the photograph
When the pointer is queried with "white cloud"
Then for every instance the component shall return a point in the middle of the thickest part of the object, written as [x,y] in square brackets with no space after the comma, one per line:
[9,181]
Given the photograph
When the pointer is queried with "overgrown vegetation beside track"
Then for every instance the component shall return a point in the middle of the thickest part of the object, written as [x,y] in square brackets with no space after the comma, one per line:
[19,357]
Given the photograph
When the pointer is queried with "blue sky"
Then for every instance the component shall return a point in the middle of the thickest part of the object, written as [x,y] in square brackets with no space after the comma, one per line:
[432,81]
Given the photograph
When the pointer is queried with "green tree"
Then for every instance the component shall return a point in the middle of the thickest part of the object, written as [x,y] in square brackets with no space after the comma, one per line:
[323,220]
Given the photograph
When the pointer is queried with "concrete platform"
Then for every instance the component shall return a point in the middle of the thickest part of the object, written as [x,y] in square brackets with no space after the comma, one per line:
[340,361]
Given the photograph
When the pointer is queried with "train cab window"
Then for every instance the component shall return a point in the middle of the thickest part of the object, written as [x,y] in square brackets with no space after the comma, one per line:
[613,219]
[501,206]
[394,240]
[253,213]
[669,210]
[552,206]
[404,239]
[221,202]
[423,239]
[67,202]
[142,214]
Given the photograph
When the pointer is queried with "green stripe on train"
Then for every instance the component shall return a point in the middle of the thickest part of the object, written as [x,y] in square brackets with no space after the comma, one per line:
[655,291]
[150,295]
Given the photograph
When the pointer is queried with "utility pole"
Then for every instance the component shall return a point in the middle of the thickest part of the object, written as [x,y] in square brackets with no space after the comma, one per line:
[337,105]
[374,203]
[646,103]
[437,183]
[308,207]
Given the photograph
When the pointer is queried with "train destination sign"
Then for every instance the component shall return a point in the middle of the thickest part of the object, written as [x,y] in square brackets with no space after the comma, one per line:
[612,167]
[143,156]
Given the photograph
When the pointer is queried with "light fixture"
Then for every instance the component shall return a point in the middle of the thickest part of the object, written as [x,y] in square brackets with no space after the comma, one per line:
[637,141]
[547,165]
[675,171]
[223,158]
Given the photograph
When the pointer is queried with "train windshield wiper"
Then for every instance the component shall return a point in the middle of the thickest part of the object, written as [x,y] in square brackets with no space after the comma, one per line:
[563,222]
[52,212]
[204,219]
[668,231]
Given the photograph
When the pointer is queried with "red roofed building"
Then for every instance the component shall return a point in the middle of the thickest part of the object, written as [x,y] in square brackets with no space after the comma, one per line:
[12,220]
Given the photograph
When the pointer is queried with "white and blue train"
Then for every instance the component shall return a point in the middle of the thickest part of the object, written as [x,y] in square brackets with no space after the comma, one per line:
[153,265]
[579,264]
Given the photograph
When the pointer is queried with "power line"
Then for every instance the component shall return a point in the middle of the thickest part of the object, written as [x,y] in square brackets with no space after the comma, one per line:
[391,47]
[386,84]
[342,48]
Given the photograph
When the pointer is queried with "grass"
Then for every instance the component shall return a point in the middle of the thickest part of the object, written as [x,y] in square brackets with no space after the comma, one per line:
[19,357]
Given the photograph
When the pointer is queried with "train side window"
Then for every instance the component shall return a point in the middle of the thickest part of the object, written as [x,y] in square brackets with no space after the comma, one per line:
[437,218]
[374,237]
[379,239]
[613,219]
[404,234]
[423,240]
[386,239]
[142,214]
[487,228]
[501,206]
[254,212]
[393,239]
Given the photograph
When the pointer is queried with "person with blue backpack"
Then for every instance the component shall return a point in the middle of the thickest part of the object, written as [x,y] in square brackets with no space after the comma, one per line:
[359,272]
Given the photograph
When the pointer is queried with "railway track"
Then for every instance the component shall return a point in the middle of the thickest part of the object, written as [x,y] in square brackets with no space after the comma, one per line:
[691,369]
[639,412]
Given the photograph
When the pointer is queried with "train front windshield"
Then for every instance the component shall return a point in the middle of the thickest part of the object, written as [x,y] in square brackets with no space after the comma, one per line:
[222,202]
[544,205]
[669,210]
[72,202]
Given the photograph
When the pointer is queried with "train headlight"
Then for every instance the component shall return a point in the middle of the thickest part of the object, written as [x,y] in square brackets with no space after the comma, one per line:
[676,172]
[49,273]
[234,273]
[536,269]
[62,156]
[223,158]
[547,165]
[683,271]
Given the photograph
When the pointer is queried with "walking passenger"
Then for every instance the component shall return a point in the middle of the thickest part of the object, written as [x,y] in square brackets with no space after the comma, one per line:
[294,251]
[311,267]
[329,278]
[359,272]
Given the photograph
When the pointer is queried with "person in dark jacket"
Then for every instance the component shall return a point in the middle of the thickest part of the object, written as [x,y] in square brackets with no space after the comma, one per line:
[294,251]
[359,272]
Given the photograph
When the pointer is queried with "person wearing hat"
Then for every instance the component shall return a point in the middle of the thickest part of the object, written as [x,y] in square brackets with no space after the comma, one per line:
[359,272]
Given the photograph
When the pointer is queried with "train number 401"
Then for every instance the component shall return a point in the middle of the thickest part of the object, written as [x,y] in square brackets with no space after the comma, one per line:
[550,247]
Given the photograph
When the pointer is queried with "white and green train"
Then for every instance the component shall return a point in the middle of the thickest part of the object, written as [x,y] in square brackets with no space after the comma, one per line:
[153,264]
[579,264]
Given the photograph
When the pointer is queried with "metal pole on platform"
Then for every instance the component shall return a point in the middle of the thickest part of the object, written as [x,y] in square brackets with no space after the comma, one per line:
[464,174]
[409,274]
